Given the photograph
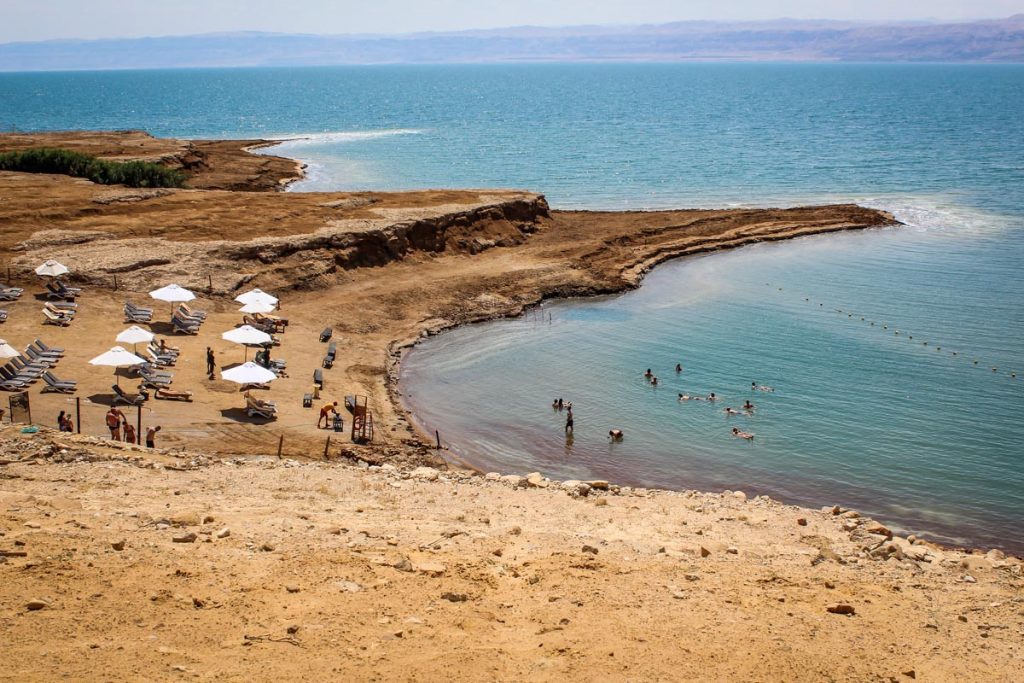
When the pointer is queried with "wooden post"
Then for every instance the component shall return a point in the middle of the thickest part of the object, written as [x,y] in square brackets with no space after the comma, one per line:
[115,282]
[78,414]
[209,280]
[327,448]
[138,424]
[437,434]
[280,446]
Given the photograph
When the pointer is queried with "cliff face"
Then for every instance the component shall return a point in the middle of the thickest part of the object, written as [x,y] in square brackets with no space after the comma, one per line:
[298,261]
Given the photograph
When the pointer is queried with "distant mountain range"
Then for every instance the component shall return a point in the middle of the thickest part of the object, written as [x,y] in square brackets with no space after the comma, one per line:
[1000,40]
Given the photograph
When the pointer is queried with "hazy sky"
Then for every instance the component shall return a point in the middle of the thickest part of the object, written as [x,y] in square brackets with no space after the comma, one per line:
[45,19]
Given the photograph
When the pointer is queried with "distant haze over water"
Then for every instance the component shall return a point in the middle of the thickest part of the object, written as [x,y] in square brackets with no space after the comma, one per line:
[923,439]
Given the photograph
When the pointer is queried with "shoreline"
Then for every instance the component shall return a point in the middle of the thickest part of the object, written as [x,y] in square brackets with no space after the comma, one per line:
[598,253]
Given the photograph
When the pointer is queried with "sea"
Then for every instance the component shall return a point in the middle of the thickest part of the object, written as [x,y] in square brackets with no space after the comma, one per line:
[895,355]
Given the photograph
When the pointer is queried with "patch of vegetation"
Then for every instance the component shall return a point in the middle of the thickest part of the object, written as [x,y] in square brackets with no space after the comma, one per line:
[66,162]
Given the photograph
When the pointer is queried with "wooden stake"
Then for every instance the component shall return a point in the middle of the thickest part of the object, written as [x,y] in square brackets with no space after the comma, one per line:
[327,448]
[280,446]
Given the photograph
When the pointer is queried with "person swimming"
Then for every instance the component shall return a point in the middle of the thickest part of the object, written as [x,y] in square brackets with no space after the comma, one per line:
[648,375]
[742,435]
[730,411]
[654,381]
[712,397]
[765,388]
[684,397]
[679,367]
[748,405]
[615,434]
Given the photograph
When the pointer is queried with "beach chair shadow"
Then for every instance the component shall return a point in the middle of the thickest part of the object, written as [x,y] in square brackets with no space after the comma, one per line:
[240,415]
[161,328]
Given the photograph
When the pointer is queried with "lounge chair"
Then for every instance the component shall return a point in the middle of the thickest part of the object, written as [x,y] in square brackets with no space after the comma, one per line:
[29,368]
[307,400]
[3,316]
[68,313]
[183,327]
[136,314]
[55,385]
[55,350]
[325,336]
[11,374]
[52,318]
[318,378]
[9,294]
[169,395]
[120,396]
[162,361]
[55,292]
[254,407]
[39,358]
[189,313]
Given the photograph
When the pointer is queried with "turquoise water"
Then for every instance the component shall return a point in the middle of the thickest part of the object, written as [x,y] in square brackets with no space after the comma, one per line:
[923,439]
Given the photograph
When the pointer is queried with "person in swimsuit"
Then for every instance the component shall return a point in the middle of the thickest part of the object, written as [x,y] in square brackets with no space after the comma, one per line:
[711,397]
[679,367]
[615,434]
[748,405]
[568,421]
[151,436]
[742,435]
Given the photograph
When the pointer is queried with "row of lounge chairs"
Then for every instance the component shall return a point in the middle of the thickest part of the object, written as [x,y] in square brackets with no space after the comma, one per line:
[34,364]
[271,324]
[10,293]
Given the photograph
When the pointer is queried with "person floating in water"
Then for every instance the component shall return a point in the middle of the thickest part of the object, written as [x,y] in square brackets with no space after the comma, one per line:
[554,404]
[568,421]
[730,411]
[754,387]
[684,397]
[648,375]
[748,405]
[679,367]
[712,397]
[615,434]
[654,381]
[742,435]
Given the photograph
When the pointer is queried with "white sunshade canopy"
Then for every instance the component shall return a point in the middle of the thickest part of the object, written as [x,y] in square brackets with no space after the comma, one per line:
[246,334]
[135,335]
[257,295]
[7,351]
[257,307]
[52,268]
[117,357]
[248,373]
[172,293]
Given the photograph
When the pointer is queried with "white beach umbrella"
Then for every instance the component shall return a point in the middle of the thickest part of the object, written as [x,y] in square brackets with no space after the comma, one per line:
[246,335]
[257,295]
[117,357]
[248,373]
[172,293]
[257,307]
[52,268]
[7,351]
[135,335]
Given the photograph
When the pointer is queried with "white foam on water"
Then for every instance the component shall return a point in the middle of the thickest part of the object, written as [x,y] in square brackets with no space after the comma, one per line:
[328,137]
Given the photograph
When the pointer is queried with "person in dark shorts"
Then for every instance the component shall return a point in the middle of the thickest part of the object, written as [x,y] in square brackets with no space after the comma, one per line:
[211,361]
[151,436]
[568,421]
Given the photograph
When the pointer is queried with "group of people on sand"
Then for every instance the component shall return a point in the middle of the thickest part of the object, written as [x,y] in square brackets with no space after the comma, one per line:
[122,430]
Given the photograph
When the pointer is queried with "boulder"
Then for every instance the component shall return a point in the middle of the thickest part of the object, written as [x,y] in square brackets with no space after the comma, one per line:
[425,474]
[841,608]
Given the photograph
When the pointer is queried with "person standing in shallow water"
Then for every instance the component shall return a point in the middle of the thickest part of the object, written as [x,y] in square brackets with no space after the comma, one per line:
[568,421]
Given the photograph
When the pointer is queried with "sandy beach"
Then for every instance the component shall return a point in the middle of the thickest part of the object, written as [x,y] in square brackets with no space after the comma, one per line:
[508,578]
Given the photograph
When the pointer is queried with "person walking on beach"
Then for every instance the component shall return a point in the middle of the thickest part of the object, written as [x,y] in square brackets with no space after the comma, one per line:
[568,421]
[114,418]
[129,433]
[60,421]
[151,436]
[210,362]
[325,415]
